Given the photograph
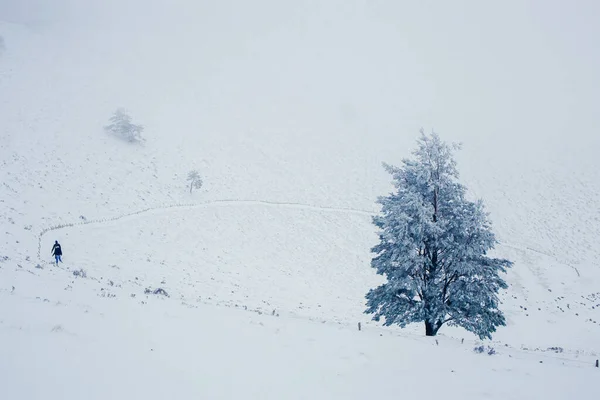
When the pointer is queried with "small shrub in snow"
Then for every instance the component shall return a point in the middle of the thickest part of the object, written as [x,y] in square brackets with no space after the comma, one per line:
[121,126]
[159,291]
[482,349]
[195,180]
[556,349]
[80,273]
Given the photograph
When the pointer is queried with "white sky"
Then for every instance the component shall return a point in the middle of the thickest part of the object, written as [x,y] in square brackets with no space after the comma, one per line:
[518,74]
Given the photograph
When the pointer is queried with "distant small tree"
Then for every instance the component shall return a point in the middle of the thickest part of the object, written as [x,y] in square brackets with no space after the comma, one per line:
[432,249]
[195,180]
[121,126]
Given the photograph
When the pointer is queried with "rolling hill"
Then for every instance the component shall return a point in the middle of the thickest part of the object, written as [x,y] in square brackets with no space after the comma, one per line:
[287,110]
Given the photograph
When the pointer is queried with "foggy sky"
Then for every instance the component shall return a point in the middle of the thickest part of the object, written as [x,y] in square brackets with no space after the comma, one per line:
[519,74]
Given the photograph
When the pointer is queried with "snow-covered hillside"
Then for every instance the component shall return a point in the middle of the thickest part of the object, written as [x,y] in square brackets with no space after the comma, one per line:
[287,109]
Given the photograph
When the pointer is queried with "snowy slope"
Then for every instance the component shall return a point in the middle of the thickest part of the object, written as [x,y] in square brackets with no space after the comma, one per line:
[112,349]
[287,111]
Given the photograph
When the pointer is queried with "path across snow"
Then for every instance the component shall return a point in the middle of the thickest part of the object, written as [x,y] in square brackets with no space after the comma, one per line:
[191,206]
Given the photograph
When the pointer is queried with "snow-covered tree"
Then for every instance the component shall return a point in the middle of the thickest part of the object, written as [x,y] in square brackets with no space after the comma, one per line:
[195,180]
[432,249]
[121,126]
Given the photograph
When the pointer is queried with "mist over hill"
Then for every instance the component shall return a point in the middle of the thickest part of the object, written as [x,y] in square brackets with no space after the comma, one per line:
[287,110]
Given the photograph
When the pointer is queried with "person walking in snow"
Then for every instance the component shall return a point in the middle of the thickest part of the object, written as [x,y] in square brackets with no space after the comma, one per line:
[57,252]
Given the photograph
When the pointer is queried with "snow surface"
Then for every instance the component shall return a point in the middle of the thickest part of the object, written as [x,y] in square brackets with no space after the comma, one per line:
[287,110]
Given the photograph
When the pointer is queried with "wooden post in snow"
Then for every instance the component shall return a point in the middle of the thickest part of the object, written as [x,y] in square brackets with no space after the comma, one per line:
[359,326]
[597,365]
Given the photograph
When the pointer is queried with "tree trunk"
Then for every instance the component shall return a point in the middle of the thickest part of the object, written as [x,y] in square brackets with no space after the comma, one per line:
[191,186]
[431,329]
